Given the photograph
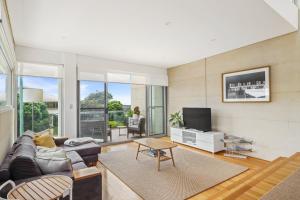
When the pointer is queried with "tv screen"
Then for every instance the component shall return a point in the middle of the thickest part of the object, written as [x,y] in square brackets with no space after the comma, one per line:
[197,118]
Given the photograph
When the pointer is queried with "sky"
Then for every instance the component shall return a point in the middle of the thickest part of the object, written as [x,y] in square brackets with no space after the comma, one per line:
[120,92]
[2,86]
[49,85]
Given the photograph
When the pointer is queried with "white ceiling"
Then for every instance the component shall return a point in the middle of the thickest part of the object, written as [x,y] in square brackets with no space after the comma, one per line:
[161,33]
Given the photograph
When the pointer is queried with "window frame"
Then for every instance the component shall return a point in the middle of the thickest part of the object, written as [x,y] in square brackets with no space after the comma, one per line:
[60,101]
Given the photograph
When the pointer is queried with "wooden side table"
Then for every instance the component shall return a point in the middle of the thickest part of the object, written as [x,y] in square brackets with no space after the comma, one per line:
[46,188]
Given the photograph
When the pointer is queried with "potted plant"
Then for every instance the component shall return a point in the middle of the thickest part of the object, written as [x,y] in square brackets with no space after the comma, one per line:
[176,120]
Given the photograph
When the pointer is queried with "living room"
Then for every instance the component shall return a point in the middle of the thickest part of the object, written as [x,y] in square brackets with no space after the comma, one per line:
[139,100]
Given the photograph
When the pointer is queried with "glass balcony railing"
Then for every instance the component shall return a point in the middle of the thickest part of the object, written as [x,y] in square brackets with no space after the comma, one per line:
[117,118]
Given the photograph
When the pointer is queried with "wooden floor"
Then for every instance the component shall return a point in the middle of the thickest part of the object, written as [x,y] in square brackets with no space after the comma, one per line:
[113,188]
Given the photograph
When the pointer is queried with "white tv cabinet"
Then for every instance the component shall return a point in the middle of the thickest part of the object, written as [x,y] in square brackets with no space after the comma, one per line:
[209,141]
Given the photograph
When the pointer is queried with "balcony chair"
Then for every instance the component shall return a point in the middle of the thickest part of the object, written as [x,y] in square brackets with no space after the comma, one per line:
[138,128]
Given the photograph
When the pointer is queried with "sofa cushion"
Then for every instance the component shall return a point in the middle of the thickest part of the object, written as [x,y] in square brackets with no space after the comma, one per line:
[74,157]
[57,154]
[51,165]
[29,133]
[47,150]
[23,164]
[4,169]
[79,165]
[84,149]
[24,140]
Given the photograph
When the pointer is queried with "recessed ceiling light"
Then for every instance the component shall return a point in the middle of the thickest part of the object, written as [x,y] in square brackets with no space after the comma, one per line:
[167,23]
[64,36]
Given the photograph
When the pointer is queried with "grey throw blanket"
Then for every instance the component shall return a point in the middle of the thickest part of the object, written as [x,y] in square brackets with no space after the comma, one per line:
[79,141]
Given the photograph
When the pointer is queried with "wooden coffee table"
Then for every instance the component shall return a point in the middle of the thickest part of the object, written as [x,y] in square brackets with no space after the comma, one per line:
[157,145]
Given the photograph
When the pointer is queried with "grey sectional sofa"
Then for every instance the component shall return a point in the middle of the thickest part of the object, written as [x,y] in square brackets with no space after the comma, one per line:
[19,165]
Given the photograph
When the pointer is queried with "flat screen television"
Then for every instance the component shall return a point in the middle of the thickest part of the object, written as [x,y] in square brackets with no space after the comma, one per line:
[197,118]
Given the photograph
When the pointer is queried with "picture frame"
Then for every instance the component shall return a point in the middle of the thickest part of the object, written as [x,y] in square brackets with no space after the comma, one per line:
[250,85]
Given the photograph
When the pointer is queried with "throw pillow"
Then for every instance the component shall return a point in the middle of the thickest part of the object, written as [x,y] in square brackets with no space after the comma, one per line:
[47,131]
[53,165]
[44,140]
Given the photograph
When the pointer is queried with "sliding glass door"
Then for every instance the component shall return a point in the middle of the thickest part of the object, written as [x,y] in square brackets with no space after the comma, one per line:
[92,109]
[156,110]
[118,106]
[104,109]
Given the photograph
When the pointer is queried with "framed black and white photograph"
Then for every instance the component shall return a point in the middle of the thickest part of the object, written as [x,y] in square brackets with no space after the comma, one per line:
[252,85]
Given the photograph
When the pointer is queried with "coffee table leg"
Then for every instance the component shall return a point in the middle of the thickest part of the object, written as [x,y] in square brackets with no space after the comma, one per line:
[138,150]
[158,160]
[171,152]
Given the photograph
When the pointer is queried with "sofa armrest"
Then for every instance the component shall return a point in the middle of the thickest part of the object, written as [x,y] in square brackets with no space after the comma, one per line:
[86,173]
[87,179]
[60,141]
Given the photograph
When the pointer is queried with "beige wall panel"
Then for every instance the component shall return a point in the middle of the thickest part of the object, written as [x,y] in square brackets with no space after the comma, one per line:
[273,126]
[184,72]
[138,97]
[191,87]
[262,132]
[283,107]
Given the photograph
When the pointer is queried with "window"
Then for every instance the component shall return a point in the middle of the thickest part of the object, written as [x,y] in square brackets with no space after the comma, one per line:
[92,109]
[157,110]
[39,98]
[5,82]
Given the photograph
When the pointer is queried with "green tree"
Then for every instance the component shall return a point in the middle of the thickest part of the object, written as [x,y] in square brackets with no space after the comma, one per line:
[40,116]
[95,100]
[114,105]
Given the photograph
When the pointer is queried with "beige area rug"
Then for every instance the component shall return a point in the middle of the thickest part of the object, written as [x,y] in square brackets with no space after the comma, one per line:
[194,173]
[289,189]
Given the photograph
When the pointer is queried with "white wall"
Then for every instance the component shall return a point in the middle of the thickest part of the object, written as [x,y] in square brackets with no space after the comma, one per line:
[71,62]
[6,131]
[70,96]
